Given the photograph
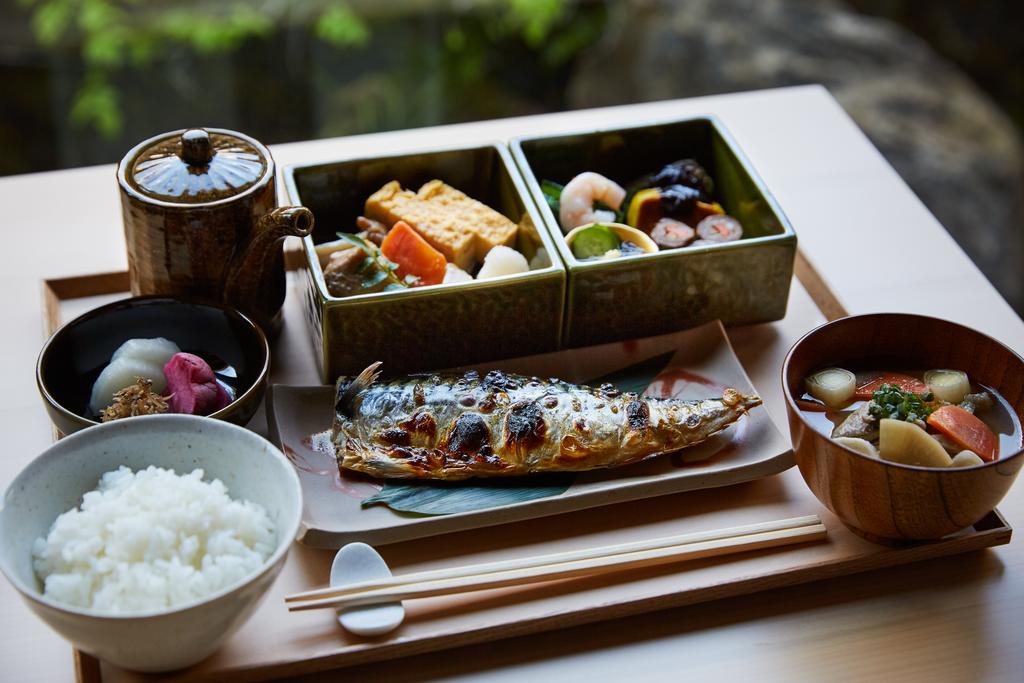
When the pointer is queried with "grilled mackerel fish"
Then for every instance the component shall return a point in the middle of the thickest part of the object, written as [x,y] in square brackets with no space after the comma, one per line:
[457,426]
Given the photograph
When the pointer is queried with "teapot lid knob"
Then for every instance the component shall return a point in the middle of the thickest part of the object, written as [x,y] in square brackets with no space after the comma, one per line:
[196,147]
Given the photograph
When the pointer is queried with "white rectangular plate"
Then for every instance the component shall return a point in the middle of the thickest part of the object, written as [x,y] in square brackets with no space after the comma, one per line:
[701,364]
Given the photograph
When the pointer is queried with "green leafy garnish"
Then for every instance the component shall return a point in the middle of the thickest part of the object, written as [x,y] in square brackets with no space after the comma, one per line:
[891,402]
[637,377]
[620,216]
[446,498]
[358,241]
[377,267]
[552,194]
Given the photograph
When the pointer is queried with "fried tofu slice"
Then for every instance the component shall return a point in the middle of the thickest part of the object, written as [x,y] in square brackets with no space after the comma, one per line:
[458,226]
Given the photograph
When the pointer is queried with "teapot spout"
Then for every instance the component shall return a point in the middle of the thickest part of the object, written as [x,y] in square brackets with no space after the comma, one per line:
[255,281]
[285,221]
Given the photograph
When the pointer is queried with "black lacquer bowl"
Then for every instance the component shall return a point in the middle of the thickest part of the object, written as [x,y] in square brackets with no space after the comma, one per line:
[74,356]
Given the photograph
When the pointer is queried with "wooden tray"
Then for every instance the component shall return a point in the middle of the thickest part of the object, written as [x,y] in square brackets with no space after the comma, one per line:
[275,644]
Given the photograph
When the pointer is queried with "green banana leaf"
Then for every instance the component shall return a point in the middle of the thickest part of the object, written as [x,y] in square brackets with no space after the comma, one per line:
[447,498]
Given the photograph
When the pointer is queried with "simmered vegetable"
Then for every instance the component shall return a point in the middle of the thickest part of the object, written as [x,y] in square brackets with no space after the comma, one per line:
[364,270]
[903,382]
[890,401]
[684,172]
[502,261]
[965,430]
[966,459]
[594,241]
[832,386]
[950,386]
[645,209]
[679,200]
[905,421]
[811,406]
[414,255]
[860,445]
[704,209]
[906,443]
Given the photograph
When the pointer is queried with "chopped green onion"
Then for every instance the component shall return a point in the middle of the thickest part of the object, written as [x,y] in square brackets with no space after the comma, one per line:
[893,403]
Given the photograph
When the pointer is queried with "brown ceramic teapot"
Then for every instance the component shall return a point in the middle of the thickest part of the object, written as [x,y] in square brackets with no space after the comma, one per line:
[201,221]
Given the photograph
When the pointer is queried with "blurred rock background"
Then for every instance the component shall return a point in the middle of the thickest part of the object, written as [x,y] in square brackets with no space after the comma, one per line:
[937,85]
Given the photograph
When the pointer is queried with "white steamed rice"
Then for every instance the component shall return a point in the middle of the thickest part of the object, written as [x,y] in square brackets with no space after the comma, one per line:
[151,540]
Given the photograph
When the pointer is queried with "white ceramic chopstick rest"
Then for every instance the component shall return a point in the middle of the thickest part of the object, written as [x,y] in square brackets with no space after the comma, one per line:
[354,563]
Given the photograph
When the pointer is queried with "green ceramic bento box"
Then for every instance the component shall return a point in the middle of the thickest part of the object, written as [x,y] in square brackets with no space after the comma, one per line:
[740,282]
[434,326]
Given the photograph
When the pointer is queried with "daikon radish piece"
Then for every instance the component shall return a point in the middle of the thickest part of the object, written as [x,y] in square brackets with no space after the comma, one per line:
[133,359]
[966,459]
[452,273]
[860,445]
[120,374]
[502,260]
[908,444]
[155,351]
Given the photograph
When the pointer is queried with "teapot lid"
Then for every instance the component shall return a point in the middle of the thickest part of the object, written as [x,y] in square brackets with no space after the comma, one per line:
[195,166]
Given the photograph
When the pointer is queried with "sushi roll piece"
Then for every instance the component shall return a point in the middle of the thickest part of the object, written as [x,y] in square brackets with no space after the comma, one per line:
[669,233]
[719,229]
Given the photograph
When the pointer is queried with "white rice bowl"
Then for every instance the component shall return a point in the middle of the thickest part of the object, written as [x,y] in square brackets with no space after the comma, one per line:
[151,540]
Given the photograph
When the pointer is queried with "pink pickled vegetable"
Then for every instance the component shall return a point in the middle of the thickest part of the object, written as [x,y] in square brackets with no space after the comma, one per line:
[193,387]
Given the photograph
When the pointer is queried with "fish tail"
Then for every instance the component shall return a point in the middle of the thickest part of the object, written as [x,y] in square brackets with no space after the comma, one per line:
[348,393]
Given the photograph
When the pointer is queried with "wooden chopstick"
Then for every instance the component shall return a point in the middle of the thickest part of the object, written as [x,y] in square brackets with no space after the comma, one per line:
[565,570]
[555,558]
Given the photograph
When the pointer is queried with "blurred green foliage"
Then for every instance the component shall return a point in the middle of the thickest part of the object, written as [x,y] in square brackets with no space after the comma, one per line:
[113,35]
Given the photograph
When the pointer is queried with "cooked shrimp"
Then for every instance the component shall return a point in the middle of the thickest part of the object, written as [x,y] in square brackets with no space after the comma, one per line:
[578,197]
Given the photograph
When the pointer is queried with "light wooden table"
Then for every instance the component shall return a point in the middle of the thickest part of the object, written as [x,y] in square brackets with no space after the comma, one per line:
[952,619]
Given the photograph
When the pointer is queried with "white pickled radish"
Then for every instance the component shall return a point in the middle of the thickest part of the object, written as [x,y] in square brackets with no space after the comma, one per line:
[156,351]
[833,386]
[966,459]
[502,260]
[948,385]
[452,273]
[137,357]
[860,445]
[122,373]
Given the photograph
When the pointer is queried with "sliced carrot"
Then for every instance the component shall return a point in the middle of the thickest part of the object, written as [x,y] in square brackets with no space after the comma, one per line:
[413,254]
[810,406]
[904,382]
[966,431]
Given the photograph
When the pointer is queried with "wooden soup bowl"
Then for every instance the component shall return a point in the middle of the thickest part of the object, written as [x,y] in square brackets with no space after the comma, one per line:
[888,501]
